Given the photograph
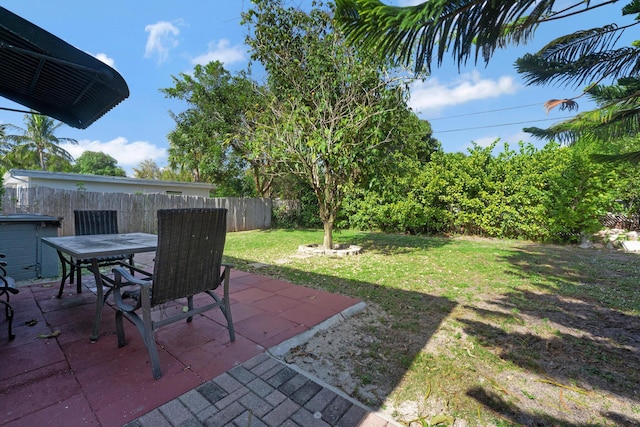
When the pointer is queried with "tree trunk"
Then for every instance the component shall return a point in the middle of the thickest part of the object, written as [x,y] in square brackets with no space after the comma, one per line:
[328,234]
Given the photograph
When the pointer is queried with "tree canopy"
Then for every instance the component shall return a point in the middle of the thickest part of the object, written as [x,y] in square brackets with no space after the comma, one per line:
[98,163]
[199,144]
[147,169]
[330,114]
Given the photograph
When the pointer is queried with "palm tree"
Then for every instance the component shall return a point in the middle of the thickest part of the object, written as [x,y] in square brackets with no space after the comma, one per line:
[5,148]
[38,145]
[426,32]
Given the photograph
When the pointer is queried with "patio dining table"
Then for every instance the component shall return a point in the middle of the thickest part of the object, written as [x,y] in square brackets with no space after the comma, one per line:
[96,246]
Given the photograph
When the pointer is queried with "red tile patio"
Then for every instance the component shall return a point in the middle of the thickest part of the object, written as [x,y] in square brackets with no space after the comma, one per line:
[67,380]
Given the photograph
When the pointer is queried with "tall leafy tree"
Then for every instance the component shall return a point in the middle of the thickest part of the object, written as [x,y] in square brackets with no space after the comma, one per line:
[147,169]
[329,112]
[98,163]
[594,57]
[203,141]
[37,145]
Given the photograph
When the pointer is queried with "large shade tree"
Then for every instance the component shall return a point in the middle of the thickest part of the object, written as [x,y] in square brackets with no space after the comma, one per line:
[594,59]
[202,141]
[98,163]
[330,112]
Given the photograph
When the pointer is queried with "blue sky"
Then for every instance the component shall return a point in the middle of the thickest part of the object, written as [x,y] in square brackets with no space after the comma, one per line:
[148,42]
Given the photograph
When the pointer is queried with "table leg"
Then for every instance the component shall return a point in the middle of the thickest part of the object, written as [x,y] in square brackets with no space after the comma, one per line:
[64,262]
[100,297]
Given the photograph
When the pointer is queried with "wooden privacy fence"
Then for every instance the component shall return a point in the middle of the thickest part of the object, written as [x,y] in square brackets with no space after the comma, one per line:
[136,212]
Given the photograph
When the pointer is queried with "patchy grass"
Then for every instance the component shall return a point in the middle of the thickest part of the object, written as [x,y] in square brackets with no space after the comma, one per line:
[489,332]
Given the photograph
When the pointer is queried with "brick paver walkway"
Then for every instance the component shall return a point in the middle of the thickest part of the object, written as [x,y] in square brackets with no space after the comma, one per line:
[263,392]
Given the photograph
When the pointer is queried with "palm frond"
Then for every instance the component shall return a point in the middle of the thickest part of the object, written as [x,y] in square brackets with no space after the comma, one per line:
[632,157]
[561,134]
[631,8]
[581,57]
[565,104]
[582,43]
[613,121]
[429,30]
[627,88]
[579,71]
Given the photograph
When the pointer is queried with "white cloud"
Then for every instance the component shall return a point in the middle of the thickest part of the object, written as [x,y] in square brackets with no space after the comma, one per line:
[220,52]
[128,154]
[433,95]
[105,58]
[162,38]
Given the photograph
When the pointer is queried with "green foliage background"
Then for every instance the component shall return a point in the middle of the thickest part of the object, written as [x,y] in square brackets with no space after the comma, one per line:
[553,194]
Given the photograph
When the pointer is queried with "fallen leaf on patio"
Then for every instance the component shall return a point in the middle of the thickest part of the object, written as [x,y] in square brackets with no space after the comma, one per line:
[32,322]
[51,335]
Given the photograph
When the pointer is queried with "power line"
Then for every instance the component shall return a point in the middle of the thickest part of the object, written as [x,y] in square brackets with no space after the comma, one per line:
[485,112]
[501,124]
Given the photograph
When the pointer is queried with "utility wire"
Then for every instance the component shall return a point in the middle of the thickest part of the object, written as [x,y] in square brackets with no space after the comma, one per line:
[501,124]
[485,112]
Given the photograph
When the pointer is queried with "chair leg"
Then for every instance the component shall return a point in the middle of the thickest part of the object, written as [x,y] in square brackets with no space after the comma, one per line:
[145,326]
[227,304]
[120,329]
[190,307]
[147,333]
[227,314]
[150,343]
[131,270]
[9,312]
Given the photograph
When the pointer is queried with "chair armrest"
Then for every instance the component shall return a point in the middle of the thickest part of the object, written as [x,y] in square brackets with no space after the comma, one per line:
[7,283]
[123,277]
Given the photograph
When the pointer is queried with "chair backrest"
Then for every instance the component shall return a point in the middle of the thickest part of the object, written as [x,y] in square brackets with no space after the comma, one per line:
[189,254]
[95,222]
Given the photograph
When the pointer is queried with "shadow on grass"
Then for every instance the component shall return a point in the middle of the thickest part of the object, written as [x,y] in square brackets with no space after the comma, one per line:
[514,415]
[395,244]
[578,330]
[575,325]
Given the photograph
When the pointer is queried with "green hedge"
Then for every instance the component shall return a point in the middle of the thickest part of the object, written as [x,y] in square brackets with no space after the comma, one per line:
[550,194]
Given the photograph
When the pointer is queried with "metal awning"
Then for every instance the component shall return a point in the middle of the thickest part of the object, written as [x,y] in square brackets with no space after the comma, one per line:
[48,75]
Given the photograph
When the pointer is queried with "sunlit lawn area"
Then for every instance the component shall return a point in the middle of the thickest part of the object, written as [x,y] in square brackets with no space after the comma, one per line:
[490,331]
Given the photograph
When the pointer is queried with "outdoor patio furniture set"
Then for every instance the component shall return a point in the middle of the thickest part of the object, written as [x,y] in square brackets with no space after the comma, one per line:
[188,262]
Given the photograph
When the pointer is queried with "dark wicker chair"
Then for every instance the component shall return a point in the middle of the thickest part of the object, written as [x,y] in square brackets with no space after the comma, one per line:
[91,222]
[7,288]
[188,262]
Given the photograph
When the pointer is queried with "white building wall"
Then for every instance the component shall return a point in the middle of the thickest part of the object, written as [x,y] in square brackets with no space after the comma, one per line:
[101,184]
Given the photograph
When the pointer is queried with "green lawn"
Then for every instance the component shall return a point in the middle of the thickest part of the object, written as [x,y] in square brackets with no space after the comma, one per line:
[495,332]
